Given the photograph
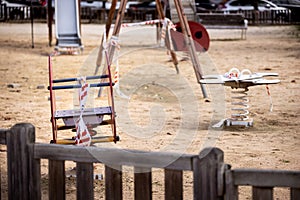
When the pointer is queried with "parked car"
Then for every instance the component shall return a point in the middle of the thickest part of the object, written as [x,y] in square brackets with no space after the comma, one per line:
[293,6]
[286,2]
[278,13]
[239,5]
[204,5]
[143,5]
[142,10]
[96,5]
[16,10]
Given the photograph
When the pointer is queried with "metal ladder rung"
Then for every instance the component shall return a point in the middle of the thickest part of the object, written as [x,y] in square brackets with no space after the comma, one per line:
[65,127]
[87,112]
[60,87]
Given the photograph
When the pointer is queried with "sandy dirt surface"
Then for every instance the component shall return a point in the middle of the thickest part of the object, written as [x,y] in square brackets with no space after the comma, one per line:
[166,111]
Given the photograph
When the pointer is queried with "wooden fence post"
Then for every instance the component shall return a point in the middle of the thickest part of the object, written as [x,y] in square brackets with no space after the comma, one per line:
[231,190]
[23,170]
[57,183]
[142,183]
[113,182]
[85,181]
[262,193]
[206,168]
[2,141]
[173,184]
[3,136]
[295,193]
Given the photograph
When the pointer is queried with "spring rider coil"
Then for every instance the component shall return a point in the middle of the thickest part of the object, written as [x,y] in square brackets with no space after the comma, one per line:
[239,81]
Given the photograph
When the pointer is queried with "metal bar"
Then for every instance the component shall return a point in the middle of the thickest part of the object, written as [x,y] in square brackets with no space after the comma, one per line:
[60,87]
[190,43]
[31,20]
[111,100]
[64,127]
[94,140]
[76,79]
[52,100]
[167,39]
[50,21]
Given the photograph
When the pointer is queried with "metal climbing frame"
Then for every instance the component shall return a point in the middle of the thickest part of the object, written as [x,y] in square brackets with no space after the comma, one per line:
[92,117]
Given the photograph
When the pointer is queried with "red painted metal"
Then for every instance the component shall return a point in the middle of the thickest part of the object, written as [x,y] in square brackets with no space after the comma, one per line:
[52,101]
[199,34]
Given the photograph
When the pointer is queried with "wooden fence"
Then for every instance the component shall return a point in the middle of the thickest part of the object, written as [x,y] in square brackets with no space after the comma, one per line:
[19,14]
[212,178]
[270,17]
[22,13]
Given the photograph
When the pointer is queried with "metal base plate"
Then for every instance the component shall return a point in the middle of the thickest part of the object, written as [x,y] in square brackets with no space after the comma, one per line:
[231,122]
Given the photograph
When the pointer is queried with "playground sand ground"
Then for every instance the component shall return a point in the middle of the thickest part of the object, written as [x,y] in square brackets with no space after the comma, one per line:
[273,142]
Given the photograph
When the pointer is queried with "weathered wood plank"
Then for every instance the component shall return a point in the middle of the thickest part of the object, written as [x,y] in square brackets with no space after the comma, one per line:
[266,178]
[295,193]
[85,181]
[3,136]
[0,181]
[113,182]
[142,183]
[205,171]
[231,190]
[2,141]
[23,169]
[262,193]
[57,188]
[115,156]
[173,184]
[34,171]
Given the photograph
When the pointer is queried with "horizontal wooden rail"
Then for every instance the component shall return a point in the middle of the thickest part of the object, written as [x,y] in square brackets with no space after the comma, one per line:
[266,178]
[117,156]
[262,182]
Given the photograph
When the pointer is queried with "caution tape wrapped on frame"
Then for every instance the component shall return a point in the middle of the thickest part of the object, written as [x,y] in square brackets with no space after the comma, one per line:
[83,137]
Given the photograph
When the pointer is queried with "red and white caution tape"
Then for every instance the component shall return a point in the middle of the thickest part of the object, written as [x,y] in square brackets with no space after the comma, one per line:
[83,137]
[114,41]
[167,25]
[163,32]
[149,22]
[269,94]
[117,82]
